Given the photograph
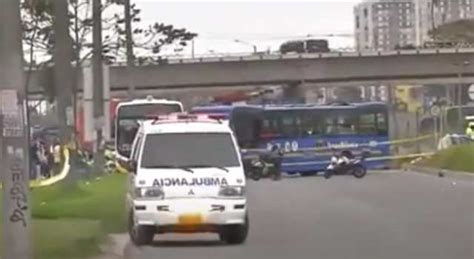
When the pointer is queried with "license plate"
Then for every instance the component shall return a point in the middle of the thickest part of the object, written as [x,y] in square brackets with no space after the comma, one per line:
[190,219]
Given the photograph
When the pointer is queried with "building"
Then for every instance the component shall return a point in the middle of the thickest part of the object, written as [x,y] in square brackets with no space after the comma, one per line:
[385,24]
[446,11]
[433,13]
[388,24]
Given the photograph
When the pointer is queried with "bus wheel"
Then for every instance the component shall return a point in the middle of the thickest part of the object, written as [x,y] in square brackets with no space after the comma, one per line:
[306,174]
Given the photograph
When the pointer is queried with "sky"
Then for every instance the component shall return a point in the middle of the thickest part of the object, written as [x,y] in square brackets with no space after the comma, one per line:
[263,23]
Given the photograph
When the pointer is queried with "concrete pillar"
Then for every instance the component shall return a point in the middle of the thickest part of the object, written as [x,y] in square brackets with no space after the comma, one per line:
[88,105]
[392,118]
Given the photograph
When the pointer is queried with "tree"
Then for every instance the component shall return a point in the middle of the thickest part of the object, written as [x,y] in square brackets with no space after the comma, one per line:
[459,32]
[149,41]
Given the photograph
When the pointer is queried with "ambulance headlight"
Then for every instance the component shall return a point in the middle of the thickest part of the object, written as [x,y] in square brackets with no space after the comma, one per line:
[149,192]
[232,191]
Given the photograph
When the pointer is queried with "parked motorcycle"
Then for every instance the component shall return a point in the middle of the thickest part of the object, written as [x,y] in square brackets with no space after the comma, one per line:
[344,164]
[266,166]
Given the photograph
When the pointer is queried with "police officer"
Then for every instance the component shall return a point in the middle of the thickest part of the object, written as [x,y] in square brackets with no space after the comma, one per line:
[276,157]
[470,130]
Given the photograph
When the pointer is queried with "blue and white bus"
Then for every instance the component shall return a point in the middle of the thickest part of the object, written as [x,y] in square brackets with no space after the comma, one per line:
[309,133]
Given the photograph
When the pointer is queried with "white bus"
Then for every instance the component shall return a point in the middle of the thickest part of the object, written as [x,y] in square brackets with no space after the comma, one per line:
[128,115]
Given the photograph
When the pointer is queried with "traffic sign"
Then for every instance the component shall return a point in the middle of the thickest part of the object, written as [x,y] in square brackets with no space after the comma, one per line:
[435,110]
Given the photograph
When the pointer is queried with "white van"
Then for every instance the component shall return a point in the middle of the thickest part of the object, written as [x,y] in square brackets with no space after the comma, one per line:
[186,177]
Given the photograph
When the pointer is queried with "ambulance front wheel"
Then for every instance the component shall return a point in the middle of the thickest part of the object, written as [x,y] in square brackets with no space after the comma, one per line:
[140,235]
[234,234]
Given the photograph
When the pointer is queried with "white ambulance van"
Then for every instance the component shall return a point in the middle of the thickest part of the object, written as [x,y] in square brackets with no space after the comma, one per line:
[186,176]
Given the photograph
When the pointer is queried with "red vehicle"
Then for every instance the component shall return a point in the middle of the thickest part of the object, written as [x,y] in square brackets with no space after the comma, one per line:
[83,142]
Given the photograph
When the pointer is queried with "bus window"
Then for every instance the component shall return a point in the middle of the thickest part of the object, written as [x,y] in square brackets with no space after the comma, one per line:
[310,124]
[346,125]
[269,126]
[367,123]
[330,125]
[290,123]
[287,124]
[382,125]
[282,123]
[247,125]
[126,135]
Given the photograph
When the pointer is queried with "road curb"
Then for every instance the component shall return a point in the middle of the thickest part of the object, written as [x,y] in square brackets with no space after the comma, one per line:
[438,172]
[115,247]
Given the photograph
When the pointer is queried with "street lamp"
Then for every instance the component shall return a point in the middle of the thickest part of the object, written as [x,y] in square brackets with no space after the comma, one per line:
[458,97]
[461,67]
[247,43]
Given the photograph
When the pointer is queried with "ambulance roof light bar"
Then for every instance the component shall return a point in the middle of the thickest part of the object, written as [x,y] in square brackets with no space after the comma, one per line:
[174,117]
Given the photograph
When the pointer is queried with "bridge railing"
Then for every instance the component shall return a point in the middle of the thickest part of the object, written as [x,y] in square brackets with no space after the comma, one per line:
[229,57]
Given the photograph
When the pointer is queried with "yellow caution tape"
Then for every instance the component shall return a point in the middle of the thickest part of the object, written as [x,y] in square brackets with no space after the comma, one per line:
[426,154]
[318,149]
[54,179]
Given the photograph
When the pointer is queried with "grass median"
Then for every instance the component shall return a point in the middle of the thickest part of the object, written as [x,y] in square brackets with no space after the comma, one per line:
[66,238]
[101,199]
[71,221]
[456,158]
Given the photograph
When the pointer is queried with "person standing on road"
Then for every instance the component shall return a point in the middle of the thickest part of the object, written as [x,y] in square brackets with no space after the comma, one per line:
[470,130]
[56,152]
[44,160]
[276,157]
[34,159]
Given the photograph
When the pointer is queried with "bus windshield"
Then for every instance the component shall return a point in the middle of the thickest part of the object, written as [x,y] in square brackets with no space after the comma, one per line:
[128,117]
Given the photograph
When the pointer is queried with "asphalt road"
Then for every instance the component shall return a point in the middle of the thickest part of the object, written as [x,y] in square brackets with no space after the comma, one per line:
[383,216]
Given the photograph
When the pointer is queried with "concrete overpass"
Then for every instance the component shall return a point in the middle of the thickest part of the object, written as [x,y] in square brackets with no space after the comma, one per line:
[407,66]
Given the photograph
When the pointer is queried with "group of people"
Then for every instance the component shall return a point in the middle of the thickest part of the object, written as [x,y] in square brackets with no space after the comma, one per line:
[45,158]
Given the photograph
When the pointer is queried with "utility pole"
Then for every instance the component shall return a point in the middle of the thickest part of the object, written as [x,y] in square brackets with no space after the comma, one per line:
[63,51]
[433,20]
[98,84]
[77,70]
[129,44]
[14,151]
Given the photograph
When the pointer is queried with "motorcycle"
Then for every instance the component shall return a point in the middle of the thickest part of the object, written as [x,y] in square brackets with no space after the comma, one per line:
[344,164]
[265,167]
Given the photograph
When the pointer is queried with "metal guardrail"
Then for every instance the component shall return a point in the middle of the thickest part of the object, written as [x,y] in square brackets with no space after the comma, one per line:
[235,57]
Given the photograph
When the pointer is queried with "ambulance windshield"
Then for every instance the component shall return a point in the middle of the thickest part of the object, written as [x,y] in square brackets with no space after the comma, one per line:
[189,150]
